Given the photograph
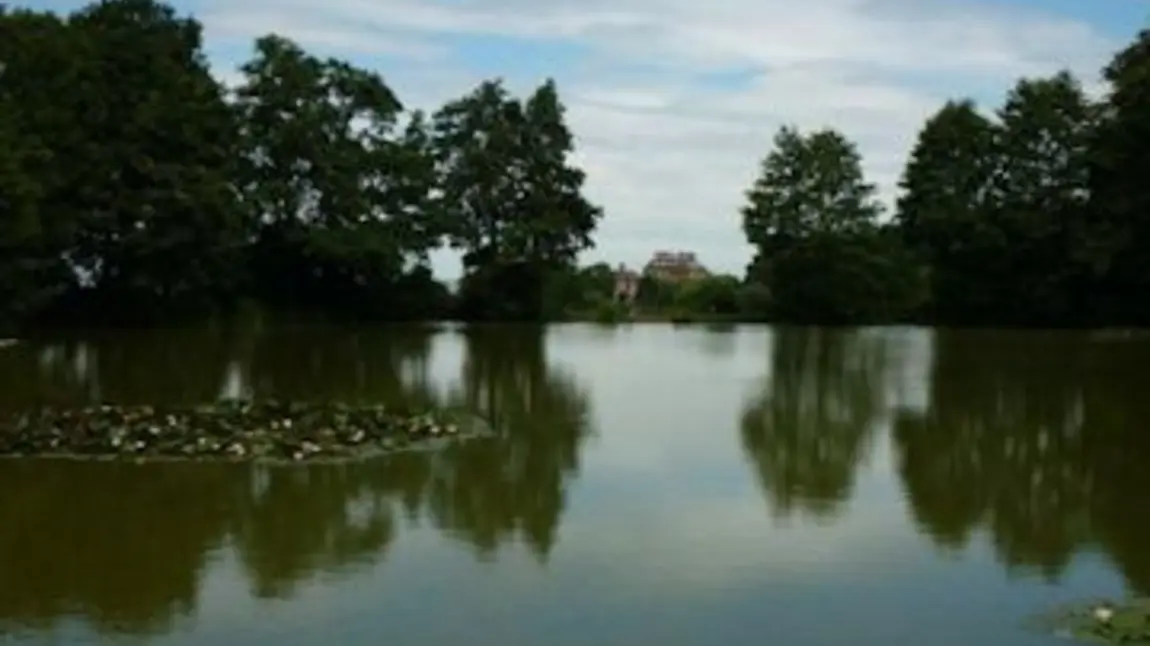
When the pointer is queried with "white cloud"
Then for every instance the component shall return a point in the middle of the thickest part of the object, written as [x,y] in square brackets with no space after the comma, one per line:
[246,22]
[668,150]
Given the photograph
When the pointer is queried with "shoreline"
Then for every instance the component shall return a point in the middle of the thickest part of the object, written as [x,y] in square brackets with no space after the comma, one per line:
[230,431]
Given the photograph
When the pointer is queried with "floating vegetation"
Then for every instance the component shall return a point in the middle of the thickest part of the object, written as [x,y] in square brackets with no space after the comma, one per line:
[1102,622]
[227,430]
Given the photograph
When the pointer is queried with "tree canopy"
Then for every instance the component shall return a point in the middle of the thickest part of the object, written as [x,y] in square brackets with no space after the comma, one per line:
[512,201]
[137,188]
[1034,214]
[814,222]
[155,193]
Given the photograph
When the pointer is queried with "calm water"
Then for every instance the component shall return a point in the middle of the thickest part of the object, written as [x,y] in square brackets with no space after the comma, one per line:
[652,485]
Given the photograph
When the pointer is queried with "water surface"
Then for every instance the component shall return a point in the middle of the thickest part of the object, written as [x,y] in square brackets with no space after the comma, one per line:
[653,485]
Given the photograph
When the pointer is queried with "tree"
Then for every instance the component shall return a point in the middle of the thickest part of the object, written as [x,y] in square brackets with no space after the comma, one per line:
[512,200]
[23,286]
[813,219]
[942,211]
[126,209]
[946,182]
[151,181]
[999,207]
[582,291]
[1120,196]
[562,219]
[341,194]
[655,294]
[710,295]
[1040,192]
[39,143]
[808,185]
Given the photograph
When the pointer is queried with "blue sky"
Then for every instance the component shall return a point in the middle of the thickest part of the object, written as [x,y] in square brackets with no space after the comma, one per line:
[674,102]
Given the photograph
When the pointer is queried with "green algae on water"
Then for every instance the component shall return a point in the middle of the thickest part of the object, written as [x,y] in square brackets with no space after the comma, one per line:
[227,430]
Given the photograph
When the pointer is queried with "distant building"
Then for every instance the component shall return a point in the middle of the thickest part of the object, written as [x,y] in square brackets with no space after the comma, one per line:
[675,266]
[626,284]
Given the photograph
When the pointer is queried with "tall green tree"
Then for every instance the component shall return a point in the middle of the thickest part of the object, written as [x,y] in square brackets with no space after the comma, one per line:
[1040,192]
[39,142]
[1120,195]
[946,182]
[24,287]
[135,209]
[808,185]
[552,187]
[152,186]
[511,196]
[942,212]
[340,191]
[813,219]
[999,207]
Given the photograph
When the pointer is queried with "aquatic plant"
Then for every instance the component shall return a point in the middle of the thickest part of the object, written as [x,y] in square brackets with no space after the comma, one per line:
[236,430]
[1102,622]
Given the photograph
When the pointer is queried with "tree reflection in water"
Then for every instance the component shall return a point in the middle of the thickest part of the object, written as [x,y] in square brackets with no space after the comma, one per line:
[813,421]
[122,547]
[1038,439]
[516,484]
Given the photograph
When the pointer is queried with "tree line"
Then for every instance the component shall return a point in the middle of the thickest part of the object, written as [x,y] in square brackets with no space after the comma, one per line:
[1035,215]
[136,188]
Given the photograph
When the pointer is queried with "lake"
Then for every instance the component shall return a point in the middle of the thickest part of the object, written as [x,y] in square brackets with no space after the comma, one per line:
[650,485]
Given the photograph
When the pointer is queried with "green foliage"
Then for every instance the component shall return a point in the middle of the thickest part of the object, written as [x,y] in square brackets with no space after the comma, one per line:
[827,279]
[512,202]
[584,292]
[813,219]
[611,312]
[1000,208]
[339,194]
[946,182]
[1038,214]
[716,297]
[654,294]
[946,192]
[713,295]
[754,300]
[135,188]
[138,195]
[1121,195]
[166,242]
[808,184]
[1040,192]
[39,68]
[25,270]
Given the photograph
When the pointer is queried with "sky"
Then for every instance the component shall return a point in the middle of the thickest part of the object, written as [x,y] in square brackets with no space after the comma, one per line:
[674,102]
